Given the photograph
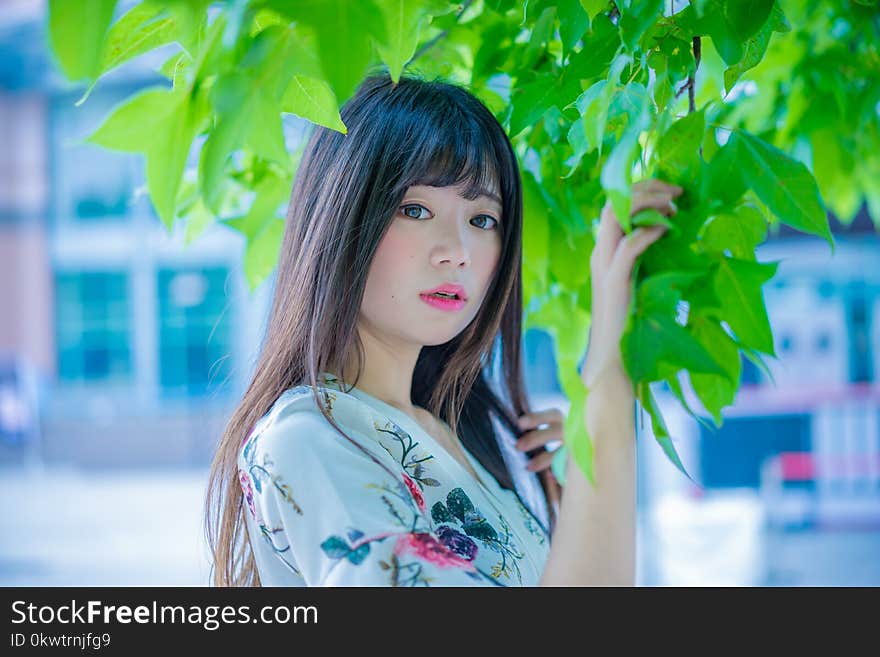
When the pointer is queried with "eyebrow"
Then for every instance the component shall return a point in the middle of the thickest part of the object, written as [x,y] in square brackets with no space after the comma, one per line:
[490,195]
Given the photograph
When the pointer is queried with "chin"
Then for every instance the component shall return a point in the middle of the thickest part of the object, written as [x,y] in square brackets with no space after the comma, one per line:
[438,339]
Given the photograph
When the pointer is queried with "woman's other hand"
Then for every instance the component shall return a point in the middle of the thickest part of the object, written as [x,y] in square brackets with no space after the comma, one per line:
[537,438]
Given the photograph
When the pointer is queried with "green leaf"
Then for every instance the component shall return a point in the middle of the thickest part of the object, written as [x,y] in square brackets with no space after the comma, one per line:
[783,184]
[143,28]
[661,293]
[670,377]
[77,33]
[678,149]
[197,220]
[530,101]
[753,52]
[573,22]
[540,34]
[636,18]
[247,117]
[270,193]
[167,155]
[536,231]
[632,108]
[722,181]
[745,17]
[601,45]
[616,176]
[261,255]
[652,217]
[162,124]
[588,132]
[263,228]
[352,26]
[738,232]
[572,245]
[715,24]
[716,391]
[175,66]
[593,7]
[134,125]
[661,433]
[738,285]
[314,101]
[403,24]
[577,441]
[648,340]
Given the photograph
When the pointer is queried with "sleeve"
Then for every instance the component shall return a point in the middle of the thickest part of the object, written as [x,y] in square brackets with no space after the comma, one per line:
[350,521]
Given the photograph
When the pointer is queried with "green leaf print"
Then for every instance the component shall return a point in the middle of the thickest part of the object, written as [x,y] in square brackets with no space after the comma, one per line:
[439,513]
[335,548]
[459,503]
[358,555]
[479,527]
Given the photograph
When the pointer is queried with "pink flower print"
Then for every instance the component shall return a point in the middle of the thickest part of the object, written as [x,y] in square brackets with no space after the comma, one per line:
[415,492]
[426,547]
[248,491]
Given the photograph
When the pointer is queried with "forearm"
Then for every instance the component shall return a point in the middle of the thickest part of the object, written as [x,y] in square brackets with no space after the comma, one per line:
[594,542]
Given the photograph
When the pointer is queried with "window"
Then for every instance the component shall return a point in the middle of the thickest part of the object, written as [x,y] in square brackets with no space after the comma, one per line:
[91,184]
[194,331]
[540,363]
[93,326]
[731,456]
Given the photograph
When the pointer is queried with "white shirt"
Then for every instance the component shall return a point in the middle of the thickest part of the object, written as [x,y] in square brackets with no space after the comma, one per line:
[391,508]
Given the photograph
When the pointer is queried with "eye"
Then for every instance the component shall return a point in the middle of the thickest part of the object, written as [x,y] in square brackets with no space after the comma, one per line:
[492,226]
[405,208]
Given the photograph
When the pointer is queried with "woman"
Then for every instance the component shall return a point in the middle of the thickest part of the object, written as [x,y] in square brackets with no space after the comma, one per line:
[369,448]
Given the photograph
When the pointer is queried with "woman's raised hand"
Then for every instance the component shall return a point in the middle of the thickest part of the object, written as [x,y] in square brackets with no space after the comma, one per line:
[611,267]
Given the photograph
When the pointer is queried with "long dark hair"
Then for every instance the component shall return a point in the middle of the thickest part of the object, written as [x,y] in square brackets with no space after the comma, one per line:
[346,192]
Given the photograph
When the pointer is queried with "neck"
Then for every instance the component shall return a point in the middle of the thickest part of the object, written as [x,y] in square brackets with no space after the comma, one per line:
[387,372]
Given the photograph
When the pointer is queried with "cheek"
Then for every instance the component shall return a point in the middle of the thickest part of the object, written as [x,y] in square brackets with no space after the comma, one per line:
[391,263]
[490,263]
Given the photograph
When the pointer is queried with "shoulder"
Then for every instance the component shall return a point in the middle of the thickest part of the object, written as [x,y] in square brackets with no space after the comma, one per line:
[296,426]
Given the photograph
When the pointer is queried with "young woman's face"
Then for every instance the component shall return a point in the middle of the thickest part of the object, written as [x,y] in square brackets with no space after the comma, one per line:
[436,237]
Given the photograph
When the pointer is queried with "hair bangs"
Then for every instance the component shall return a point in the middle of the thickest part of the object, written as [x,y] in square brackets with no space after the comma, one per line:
[454,153]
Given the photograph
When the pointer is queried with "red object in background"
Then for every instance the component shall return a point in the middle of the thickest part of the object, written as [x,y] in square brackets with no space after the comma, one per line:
[803,466]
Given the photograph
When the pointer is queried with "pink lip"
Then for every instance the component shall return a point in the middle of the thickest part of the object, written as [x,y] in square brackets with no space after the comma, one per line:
[450,305]
[449,288]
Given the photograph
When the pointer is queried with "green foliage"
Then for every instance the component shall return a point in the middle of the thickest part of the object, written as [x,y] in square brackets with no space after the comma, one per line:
[761,110]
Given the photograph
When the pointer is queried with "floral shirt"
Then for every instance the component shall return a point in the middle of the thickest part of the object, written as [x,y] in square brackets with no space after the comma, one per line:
[391,508]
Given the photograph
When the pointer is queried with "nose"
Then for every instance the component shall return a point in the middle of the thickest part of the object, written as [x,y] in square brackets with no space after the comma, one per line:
[451,249]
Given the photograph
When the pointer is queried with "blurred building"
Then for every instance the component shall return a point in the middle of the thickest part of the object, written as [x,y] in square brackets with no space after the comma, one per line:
[118,344]
[127,347]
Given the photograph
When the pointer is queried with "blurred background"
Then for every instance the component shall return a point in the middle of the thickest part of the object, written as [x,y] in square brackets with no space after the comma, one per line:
[124,348]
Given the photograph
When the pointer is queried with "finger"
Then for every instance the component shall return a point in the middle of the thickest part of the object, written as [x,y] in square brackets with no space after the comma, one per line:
[539,437]
[660,201]
[632,247]
[535,419]
[655,184]
[609,235]
[540,462]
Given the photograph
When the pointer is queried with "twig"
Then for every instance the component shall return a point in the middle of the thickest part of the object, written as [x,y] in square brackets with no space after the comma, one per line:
[689,85]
